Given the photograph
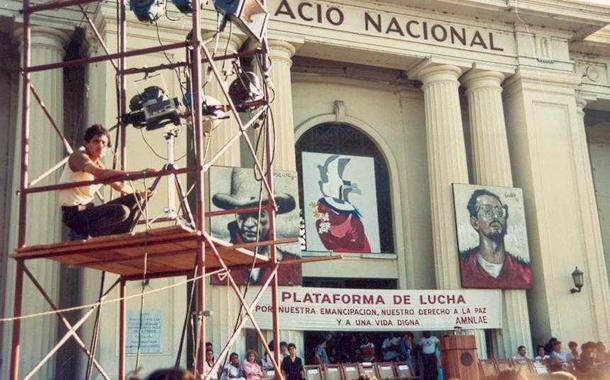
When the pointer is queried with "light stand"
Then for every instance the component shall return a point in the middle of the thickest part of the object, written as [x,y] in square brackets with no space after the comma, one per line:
[173,184]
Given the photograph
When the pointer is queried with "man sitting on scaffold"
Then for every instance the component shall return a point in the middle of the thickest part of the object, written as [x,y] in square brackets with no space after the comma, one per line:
[78,211]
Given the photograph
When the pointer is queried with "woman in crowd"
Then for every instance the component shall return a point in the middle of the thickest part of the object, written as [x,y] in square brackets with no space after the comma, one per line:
[209,363]
[292,365]
[251,369]
[408,351]
[233,370]
[541,356]
[558,360]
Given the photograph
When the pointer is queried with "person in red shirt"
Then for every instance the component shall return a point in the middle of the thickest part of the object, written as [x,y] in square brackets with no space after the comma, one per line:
[489,265]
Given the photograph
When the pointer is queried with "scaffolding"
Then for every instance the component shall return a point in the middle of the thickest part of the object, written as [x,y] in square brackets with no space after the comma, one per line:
[169,251]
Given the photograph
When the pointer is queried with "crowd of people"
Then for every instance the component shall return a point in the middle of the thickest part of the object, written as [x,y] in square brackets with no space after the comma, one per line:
[393,347]
[255,367]
[590,360]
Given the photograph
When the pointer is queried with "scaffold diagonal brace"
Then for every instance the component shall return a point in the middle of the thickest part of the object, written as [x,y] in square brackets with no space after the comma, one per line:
[243,321]
[67,145]
[67,335]
[61,316]
[248,307]
[225,92]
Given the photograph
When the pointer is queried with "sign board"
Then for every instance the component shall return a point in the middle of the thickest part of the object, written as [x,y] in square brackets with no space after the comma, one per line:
[324,309]
[150,335]
[402,27]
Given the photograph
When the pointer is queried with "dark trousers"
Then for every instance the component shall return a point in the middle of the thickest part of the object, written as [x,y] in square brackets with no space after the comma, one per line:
[115,217]
[430,368]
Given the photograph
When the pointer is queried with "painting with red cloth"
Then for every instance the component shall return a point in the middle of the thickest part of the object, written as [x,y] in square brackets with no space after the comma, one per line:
[341,203]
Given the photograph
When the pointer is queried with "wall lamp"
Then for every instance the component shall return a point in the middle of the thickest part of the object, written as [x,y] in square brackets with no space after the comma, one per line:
[577,276]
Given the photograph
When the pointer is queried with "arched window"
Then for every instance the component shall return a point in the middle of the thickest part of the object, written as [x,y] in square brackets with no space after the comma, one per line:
[345,153]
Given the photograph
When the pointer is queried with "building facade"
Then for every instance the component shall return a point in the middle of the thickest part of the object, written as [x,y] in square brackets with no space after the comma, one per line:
[487,92]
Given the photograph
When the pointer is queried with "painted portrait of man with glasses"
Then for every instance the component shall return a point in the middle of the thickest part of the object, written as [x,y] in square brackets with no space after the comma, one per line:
[490,263]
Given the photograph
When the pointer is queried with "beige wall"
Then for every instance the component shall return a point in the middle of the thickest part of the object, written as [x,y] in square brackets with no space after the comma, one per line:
[391,115]
[542,127]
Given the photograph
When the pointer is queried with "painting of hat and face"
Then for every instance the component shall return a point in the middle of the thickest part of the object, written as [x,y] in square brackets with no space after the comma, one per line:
[340,202]
[236,188]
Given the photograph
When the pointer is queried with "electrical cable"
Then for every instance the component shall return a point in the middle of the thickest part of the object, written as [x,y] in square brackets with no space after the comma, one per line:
[224,62]
[189,307]
[144,272]
[104,302]
[175,70]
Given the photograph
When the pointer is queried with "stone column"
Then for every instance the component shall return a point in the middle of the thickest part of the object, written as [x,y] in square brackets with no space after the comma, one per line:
[281,53]
[446,164]
[43,215]
[491,164]
[594,250]
[549,161]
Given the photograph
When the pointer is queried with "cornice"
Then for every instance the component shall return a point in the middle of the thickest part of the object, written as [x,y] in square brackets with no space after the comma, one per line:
[578,18]
[544,81]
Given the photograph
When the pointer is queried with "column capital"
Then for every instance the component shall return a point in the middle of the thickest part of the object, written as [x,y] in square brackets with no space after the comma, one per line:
[582,100]
[476,78]
[43,36]
[281,50]
[431,72]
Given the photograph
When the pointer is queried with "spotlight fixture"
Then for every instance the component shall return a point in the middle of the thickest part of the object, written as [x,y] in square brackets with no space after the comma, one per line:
[184,6]
[245,88]
[250,16]
[578,278]
[148,10]
[212,111]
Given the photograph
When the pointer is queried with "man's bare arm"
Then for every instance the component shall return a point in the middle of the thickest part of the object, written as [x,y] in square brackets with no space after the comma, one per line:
[122,186]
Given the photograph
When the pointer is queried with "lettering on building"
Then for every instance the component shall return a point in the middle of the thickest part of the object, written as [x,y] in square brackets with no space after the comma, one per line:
[385,24]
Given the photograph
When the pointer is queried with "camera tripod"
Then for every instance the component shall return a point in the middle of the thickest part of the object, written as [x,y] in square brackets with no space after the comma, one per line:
[173,184]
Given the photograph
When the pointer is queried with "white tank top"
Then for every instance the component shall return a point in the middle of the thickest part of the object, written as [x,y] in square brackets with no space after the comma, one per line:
[77,195]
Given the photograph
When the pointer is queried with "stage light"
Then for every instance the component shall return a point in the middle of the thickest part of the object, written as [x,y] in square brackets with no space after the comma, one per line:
[148,10]
[250,16]
[184,6]
[245,88]
[212,111]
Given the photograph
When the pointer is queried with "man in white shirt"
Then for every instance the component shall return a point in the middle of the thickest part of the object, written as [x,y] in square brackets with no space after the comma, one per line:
[521,355]
[78,211]
[390,347]
[428,345]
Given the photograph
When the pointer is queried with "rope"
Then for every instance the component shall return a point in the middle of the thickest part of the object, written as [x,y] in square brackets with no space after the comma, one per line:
[112,300]
[144,272]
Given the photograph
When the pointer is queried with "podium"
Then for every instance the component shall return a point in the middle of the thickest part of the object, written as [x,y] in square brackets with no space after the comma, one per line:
[459,357]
